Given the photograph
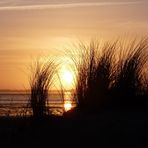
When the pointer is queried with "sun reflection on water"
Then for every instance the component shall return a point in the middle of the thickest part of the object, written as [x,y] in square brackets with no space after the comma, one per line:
[67,105]
[67,101]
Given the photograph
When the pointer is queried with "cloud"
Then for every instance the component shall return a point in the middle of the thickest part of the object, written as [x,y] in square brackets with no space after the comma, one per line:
[66,5]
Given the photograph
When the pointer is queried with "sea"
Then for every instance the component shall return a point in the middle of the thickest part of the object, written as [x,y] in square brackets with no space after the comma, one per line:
[17,103]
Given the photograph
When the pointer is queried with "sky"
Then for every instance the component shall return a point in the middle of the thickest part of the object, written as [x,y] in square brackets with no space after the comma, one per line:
[31,28]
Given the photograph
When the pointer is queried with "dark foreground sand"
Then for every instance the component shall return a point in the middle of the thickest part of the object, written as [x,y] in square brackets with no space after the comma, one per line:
[109,128]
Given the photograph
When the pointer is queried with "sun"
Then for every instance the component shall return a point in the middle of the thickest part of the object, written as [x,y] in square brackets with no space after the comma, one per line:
[67,77]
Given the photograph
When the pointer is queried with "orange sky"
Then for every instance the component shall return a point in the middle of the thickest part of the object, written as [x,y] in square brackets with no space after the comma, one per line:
[31,28]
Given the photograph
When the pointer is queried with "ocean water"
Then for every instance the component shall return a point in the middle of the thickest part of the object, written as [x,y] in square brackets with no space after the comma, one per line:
[17,103]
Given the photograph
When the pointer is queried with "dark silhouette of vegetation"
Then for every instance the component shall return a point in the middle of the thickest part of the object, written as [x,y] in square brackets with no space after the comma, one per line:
[40,83]
[109,73]
[129,74]
[93,73]
[144,87]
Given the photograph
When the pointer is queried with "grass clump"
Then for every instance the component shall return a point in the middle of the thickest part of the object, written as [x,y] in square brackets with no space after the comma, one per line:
[93,73]
[40,83]
[130,71]
[112,72]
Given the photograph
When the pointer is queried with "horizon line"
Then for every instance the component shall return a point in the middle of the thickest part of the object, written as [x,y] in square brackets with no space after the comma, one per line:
[19,90]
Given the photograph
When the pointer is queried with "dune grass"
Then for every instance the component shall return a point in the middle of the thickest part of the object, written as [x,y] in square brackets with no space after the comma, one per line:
[40,83]
[129,72]
[93,73]
[112,71]
[108,73]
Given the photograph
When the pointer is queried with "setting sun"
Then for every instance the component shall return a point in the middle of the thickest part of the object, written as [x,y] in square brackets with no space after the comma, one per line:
[67,77]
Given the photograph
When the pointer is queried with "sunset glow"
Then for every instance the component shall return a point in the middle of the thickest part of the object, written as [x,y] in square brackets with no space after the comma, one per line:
[34,28]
